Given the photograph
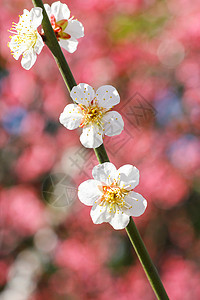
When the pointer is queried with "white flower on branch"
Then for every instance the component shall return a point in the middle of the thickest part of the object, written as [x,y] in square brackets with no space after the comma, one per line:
[111,195]
[26,40]
[92,113]
[66,29]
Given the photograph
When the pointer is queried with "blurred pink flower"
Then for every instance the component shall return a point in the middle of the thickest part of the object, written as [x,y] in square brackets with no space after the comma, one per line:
[4,272]
[184,155]
[172,188]
[19,87]
[181,278]
[23,211]
[78,256]
[36,159]
[54,98]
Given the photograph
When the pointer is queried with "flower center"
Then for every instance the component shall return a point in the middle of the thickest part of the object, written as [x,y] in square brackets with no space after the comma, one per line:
[25,36]
[113,196]
[59,28]
[91,114]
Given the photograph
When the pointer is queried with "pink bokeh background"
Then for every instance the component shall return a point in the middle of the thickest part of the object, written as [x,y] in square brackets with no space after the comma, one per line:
[150,51]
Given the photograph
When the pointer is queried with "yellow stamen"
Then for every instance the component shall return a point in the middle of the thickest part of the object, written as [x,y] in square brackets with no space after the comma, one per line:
[91,114]
[24,37]
[113,197]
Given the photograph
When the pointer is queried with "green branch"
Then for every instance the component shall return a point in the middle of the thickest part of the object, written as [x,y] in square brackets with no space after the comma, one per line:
[52,43]
[148,266]
[101,154]
[135,238]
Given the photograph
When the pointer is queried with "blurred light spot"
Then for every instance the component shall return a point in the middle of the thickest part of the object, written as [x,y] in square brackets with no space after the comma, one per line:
[22,277]
[12,294]
[12,121]
[168,107]
[170,53]
[27,263]
[45,240]
[184,154]
[20,283]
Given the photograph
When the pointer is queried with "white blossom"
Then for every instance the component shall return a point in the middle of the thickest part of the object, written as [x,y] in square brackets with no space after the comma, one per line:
[26,40]
[92,113]
[66,29]
[111,195]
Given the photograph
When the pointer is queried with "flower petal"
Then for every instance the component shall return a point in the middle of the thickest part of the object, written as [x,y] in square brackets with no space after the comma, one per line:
[104,172]
[138,203]
[75,29]
[16,48]
[71,116]
[28,59]
[60,11]
[120,220]
[83,93]
[107,96]
[113,123]
[26,15]
[100,214]
[91,136]
[39,44]
[36,16]
[88,191]
[128,176]
[69,44]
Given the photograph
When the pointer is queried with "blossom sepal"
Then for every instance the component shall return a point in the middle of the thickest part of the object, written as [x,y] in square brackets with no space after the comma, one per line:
[63,24]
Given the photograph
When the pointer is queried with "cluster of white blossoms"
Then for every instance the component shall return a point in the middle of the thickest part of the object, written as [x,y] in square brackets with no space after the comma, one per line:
[92,113]
[27,41]
[110,193]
